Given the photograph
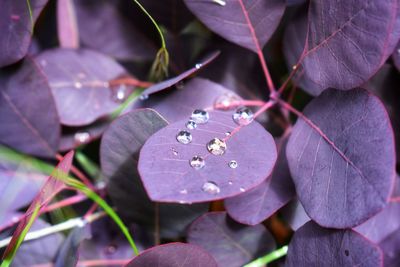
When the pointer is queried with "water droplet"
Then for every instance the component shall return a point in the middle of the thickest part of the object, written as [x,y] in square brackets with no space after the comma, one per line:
[120,94]
[15,219]
[226,101]
[183,192]
[220,2]
[200,116]
[233,164]
[174,151]
[242,189]
[144,97]
[180,85]
[243,116]
[198,65]
[230,182]
[228,133]
[110,249]
[184,137]
[191,124]
[81,137]
[211,188]
[197,162]
[294,67]
[78,85]
[216,146]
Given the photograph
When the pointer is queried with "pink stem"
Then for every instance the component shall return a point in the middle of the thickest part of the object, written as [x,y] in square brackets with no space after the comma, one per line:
[78,174]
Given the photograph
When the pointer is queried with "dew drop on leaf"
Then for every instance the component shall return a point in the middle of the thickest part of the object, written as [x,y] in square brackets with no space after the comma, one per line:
[226,101]
[243,116]
[174,151]
[200,116]
[227,133]
[233,164]
[216,146]
[81,137]
[119,95]
[78,85]
[198,65]
[242,189]
[197,162]
[144,97]
[211,188]
[191,124]
[184,137]
[183,191]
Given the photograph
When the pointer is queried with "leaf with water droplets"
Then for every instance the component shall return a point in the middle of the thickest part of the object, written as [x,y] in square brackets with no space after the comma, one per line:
[16,28]
[79,82]
[178,104]
[248,23]
[343,166]
[24,92]
[261,202]
[313,245]
[230,243]
[165,174]
[119,153]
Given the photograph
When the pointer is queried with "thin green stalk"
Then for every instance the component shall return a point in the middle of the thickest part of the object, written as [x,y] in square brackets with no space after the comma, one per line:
[28,3]
[127,102]
[7,261]
[87,164]
[274,255]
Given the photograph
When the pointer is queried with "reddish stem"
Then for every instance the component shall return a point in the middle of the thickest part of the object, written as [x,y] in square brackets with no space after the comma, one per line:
[130,81]
[78,174]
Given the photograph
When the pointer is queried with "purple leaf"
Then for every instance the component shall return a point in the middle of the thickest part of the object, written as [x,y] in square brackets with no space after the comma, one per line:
[179,104]
[396,191]
[79,82]
[396,57]
[339,35]
[19,184]
[67,28]
[119,165]
[344,166]
[16,28]
[260,203]
[103,27]
[247,23]
[391,250]
[167,174]
[381,225]
[68,253]
[295,215]
[26,126]
[313,245]
[230,243]
[173,81]
[173,255]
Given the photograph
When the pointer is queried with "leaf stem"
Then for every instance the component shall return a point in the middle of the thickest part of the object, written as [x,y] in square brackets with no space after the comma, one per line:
[28,3]
[274,255]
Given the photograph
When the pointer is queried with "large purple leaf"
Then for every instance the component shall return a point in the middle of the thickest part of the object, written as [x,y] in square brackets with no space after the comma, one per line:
[248,23]
[344,166]
[67,29]
[179,104]
[339,35]
[260,203]
[119,153]
[19,184]
[79,82]
[103,27]
[391,250]
[16,28]
[25,124]
[313,245]
[173,255]
[381,225]
[168,177]
[230,243]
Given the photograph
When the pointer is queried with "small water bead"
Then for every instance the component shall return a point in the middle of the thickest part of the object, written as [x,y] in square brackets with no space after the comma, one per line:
[184,137]
[200,116]
[242,189]
[81,137]
[144,97]
[183,192]
[191,124]
[233,164]
[174,151]
[197,162]
[230,183]
[228,133]
[78,85]
[211,188]
[198,65]
[120,94]
[180,85]
[216,146]
[226,101]
[243,116]
[220,2]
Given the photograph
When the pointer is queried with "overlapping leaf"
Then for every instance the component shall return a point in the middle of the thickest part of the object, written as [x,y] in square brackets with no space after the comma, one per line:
[168,177]
[230,243]
[344,165]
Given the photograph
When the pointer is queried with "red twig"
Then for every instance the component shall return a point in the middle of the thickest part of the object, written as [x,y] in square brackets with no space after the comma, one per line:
[78,174]
[130,81]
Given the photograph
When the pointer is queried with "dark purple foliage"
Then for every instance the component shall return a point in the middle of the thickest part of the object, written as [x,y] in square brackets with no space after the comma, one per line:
[391,249]
[344,166]
[230,243]
[252,147]
[68,253]
[258,204]
[313,245]
[16,28]
[79,82]
[119,166]
[173,255]
[24,92]
[295,215]
[396,57]
[244,22]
